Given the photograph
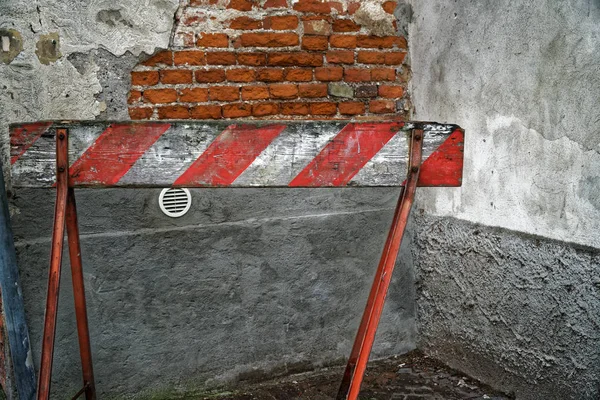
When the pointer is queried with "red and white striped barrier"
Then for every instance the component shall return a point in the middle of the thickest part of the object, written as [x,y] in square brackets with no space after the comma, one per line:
[225,154]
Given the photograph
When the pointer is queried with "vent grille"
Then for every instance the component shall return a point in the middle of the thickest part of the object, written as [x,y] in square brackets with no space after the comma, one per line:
[175,202]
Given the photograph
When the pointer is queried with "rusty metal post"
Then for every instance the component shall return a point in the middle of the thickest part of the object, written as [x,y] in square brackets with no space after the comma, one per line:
[357,363]
[62,165]
[85,350]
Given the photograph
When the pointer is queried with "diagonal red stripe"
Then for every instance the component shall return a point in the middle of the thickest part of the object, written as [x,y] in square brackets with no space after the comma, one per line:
[24,136]
[229,155]
[114,153]
[346,154]
[444,166]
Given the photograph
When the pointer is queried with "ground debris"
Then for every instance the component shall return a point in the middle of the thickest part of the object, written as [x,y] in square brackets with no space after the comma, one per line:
[412,376]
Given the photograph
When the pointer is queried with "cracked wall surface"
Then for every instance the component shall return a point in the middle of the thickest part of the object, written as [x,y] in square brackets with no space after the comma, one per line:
[41,82]
[520,313]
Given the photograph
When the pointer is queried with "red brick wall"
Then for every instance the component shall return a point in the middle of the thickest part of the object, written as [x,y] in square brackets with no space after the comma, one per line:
[274,59]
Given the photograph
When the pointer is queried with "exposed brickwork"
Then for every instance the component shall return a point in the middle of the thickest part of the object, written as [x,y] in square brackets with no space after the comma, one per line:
[273,59]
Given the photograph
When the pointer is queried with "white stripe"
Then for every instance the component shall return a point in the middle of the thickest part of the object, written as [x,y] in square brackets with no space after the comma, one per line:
[390,164]
[172,154]
[38,163]
[289,154]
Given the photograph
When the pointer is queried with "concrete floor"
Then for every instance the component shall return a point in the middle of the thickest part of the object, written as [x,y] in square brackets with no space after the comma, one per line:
[412,376]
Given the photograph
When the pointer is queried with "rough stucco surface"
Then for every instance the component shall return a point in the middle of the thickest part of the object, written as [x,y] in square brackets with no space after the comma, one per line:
[523,80]
[520,313]
[246,284]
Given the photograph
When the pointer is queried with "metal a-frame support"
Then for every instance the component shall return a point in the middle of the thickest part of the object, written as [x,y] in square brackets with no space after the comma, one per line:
[65,213]
[357,363]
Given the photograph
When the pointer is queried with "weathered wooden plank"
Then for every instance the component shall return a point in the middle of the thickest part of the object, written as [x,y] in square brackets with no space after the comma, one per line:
[236,154]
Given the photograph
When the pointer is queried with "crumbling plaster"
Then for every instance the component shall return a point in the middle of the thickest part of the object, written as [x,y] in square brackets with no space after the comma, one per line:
[523,80]
[36,88]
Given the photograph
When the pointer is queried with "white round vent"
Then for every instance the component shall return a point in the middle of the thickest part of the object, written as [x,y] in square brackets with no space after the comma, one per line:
[175,202]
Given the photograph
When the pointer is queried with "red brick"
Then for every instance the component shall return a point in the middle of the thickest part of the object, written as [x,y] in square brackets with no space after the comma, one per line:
[212,40]
[245,23]
[395,58]
[275,4]
[298,74]
[352,108]
[255,93]
[160,95]
[314,43]
[237,110]
[345,25]
[134,96]
[241,5]
[144,78]
[382,106]
[254,59]
[264,109]
[140,112]
[353,7]
[173,112]
[189,57]
[357,74]
[391,92]
[371,57]
[162,57]
[313,90]
[281,23]
[300,59]
[318,6]
[270,75]
[195,95]
[383,74]
[343,41]
[240,75]
[378,42]
[294,108]
[268,39]
[316,25]
[377,57]
[323,108]
[220,58]
[329,74]
[206,112]
[283,91]
[224,93]
[210,76]
[340,57]
[389,6]
[175,76]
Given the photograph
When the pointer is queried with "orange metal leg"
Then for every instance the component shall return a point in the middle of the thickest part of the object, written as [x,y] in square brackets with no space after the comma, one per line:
[85,349]
[357,363]
[43,390]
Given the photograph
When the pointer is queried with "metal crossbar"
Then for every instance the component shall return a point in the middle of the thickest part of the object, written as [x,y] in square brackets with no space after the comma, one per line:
[209,154]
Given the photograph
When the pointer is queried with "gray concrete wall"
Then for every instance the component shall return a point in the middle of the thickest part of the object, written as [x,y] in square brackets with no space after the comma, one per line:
[523,78]
[248,283]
